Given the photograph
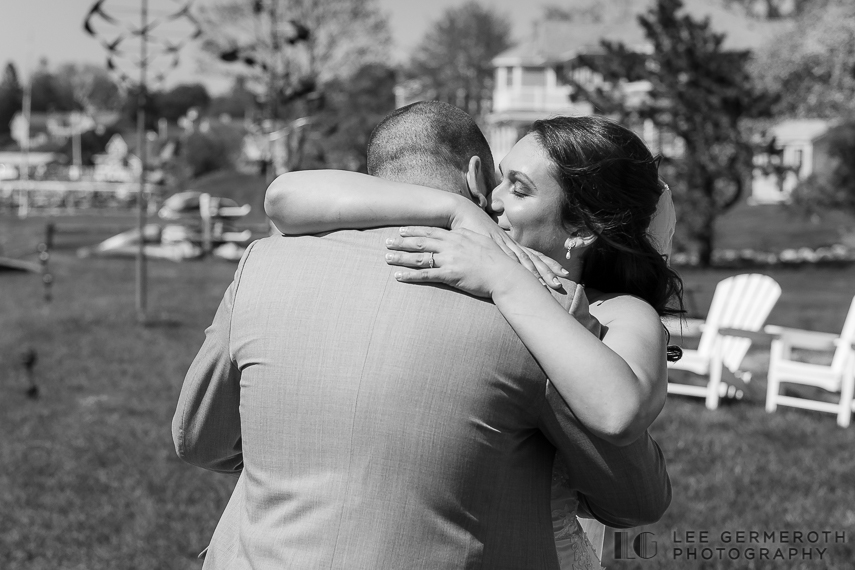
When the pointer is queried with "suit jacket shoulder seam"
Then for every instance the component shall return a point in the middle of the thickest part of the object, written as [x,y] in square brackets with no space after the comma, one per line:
[237,280]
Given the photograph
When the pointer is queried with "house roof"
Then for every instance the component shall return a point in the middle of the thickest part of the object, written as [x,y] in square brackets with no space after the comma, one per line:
[799,130]
[558,41]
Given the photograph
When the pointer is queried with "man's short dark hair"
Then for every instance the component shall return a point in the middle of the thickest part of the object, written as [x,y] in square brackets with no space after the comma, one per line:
[427,140]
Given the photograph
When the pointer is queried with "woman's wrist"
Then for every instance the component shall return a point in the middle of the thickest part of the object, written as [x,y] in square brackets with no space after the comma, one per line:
[461,209]
[513,281]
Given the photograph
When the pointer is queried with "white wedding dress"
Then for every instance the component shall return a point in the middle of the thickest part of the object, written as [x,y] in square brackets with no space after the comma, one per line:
[575,551]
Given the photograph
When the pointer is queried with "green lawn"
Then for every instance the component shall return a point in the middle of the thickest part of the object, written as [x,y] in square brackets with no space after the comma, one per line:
[89,478]
[773,228]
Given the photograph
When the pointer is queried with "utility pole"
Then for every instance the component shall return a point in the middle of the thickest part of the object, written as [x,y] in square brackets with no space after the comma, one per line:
[272,95]
[141,142]
[24,204]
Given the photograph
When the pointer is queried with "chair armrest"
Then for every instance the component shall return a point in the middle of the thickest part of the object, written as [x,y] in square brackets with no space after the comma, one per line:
[848,344]
[810,340]
[756,336]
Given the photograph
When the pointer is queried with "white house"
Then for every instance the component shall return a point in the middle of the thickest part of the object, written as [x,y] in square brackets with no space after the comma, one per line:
[528,82]
[777,174]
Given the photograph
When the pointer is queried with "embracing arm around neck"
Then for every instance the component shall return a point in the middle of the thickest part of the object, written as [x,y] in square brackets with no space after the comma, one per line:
[615,386]
[314,201]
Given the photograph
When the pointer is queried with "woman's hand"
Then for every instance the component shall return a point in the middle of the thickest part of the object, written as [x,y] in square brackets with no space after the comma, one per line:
[463,259]
[468,216]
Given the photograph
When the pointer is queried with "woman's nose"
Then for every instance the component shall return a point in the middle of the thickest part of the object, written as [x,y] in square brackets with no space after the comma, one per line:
[496,205]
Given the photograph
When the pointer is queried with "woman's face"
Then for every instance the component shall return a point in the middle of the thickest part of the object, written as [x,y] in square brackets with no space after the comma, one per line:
[527,201]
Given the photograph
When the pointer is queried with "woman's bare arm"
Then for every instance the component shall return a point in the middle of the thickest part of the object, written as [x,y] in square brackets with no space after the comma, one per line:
[314,201]
[634,331]
[614,386]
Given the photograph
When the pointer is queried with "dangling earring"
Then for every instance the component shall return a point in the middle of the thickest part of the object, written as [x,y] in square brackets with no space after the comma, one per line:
[570,244]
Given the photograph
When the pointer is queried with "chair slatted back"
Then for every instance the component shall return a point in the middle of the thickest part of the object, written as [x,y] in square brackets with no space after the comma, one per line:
[741,302]
[847,336]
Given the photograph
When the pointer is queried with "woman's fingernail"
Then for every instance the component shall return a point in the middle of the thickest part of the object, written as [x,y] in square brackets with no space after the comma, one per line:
[399,276]
[564,271]
[390,241]
[556,281]
[403,230]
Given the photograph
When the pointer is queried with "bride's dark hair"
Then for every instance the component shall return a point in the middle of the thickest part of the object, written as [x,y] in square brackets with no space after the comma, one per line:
[611,187]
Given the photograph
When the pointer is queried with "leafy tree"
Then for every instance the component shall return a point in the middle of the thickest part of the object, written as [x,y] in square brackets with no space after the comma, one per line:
[832,185]
[48,93]
[175,103]
[589,11]
[131,104]
[10,100]
[453,59]
[292,48]
[698,92]
[91,86]
[216,149]
[814,69]
[238,102]
[353,106]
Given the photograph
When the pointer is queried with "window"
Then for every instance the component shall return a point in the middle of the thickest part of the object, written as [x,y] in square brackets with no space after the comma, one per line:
[533,77]
[509,76]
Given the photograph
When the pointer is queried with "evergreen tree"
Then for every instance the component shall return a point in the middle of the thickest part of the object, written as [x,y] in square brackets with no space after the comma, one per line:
[49,93]
[11,95]
[699,92]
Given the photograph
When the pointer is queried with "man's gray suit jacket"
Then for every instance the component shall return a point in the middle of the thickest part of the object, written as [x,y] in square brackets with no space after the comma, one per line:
[382,425]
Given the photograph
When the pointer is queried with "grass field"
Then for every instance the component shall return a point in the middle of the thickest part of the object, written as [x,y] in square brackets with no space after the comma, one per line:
[89,479]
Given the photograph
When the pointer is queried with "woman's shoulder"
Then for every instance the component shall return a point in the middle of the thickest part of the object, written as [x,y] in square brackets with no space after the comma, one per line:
[608,307]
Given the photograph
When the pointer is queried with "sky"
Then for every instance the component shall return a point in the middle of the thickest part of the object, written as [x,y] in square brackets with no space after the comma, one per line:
[34,29]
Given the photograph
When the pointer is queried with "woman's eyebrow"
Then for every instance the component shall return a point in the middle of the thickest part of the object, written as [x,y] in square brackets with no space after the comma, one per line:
[522,177]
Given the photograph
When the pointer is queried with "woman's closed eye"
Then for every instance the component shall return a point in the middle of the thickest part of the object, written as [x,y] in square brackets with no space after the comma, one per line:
[521,185]
[519,190]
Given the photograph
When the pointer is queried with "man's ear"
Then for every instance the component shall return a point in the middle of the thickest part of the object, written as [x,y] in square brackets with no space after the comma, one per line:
[477,185]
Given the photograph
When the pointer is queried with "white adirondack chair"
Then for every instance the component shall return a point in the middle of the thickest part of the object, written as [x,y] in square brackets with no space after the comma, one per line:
[838,377]
[739,308]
